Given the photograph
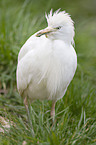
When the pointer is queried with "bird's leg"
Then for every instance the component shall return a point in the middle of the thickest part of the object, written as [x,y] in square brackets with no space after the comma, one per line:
[26,104]
[28,114]
[53,112]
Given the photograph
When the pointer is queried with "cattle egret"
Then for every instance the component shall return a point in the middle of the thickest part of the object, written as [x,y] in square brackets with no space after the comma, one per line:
[47,61]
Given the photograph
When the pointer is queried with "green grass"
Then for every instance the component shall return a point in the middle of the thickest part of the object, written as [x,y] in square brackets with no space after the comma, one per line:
[76,112]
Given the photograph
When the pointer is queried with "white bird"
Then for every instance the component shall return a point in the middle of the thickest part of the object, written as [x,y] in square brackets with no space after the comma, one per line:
[47,61]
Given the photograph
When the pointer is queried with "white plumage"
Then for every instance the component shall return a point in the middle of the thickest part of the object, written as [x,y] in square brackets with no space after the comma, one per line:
[47,61]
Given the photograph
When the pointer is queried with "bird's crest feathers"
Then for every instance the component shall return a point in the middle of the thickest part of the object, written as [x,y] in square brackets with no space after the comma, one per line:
[58,16]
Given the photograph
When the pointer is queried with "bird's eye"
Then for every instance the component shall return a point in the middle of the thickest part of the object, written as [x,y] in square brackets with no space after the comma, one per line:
[58,27]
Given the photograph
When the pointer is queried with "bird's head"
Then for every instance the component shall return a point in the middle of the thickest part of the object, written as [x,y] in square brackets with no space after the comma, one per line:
[60,26]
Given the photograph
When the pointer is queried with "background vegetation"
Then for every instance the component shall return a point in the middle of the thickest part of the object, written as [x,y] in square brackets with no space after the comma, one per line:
[76,112]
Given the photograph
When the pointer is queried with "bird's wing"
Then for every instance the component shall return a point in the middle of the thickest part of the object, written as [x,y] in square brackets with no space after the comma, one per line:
[28,61]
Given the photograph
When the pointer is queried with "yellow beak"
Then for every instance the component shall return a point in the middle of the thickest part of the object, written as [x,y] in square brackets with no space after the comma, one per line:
[45,31]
